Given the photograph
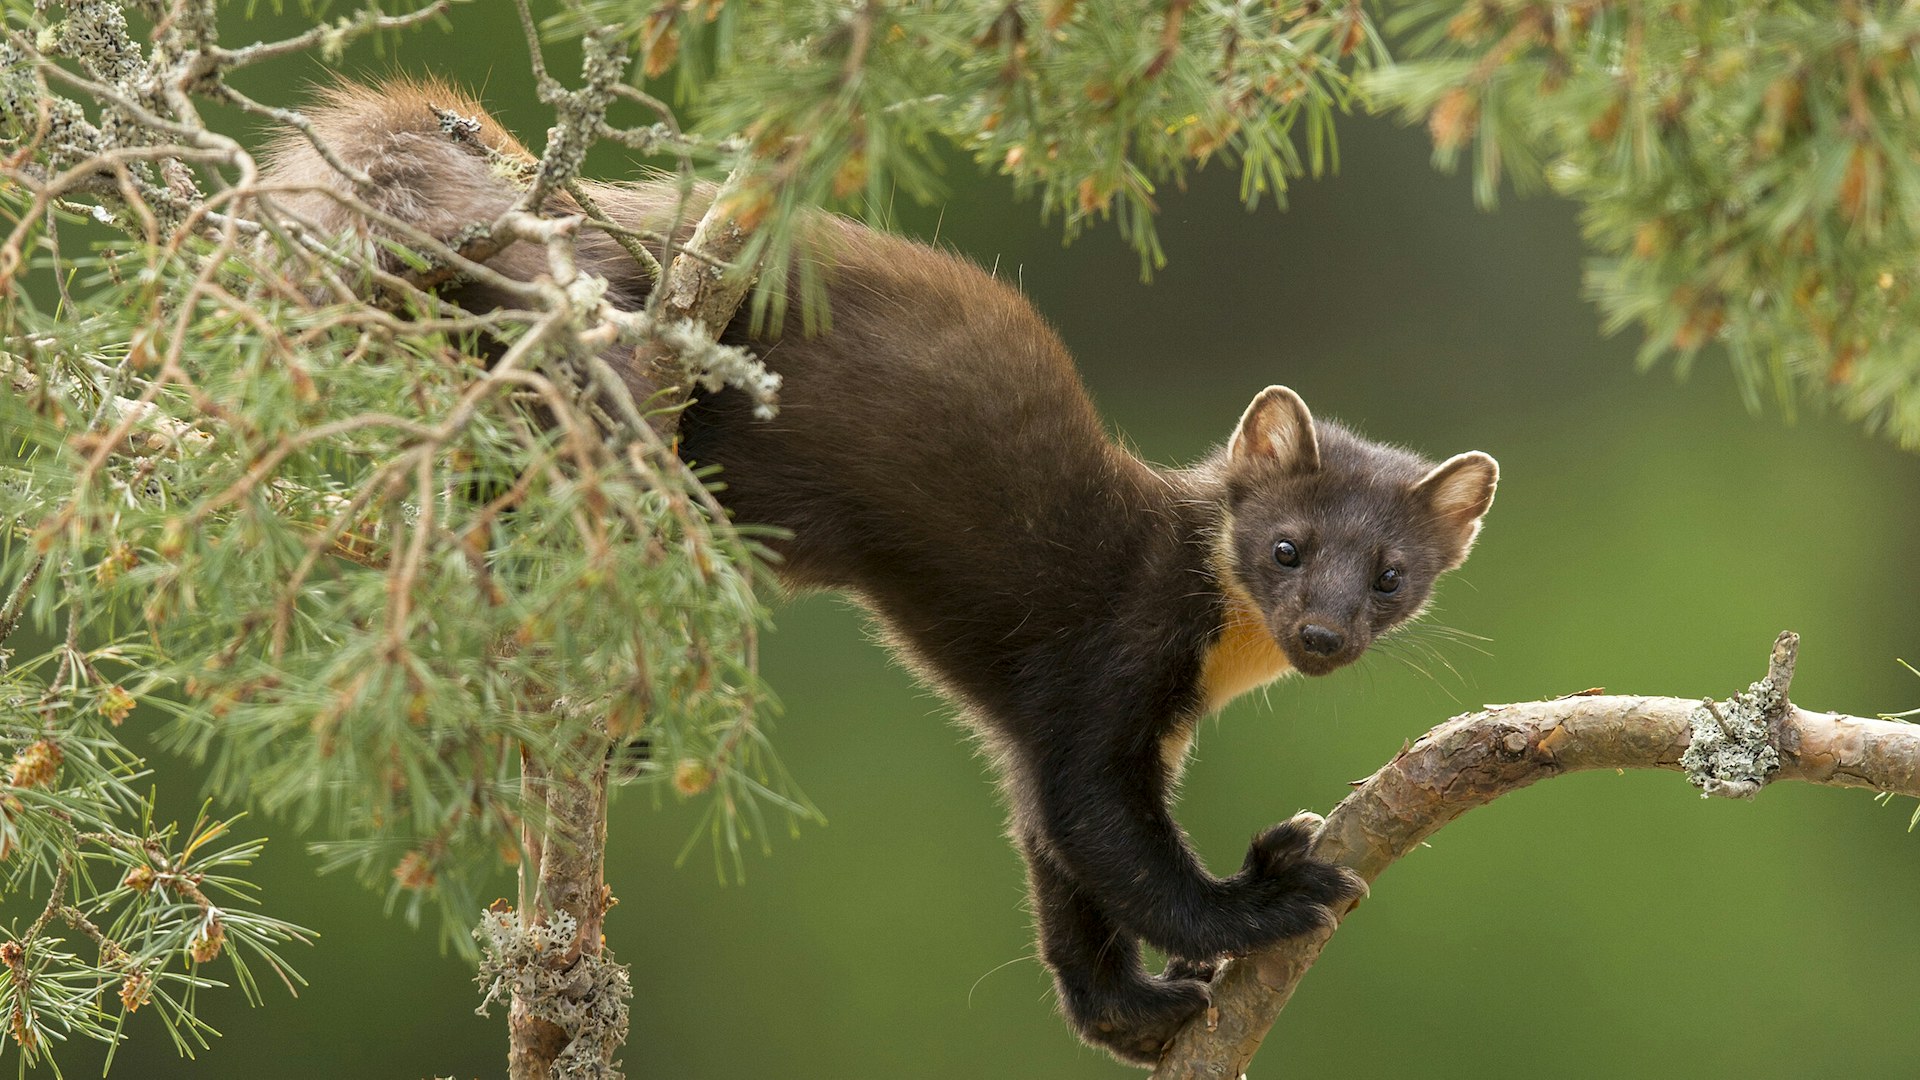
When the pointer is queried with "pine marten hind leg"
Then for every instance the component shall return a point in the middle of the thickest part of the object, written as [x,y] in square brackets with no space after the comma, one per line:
[1105,991]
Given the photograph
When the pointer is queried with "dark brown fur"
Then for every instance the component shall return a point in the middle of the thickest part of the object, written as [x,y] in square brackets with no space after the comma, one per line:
[935,455]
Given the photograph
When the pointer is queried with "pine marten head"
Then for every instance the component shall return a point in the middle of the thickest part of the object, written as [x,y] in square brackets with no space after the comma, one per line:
[1330,540]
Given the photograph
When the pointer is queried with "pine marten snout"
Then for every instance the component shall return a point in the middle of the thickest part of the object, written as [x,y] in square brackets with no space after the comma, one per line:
[936,456]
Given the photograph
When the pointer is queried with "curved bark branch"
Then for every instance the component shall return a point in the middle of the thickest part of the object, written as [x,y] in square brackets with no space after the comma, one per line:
[1473,759]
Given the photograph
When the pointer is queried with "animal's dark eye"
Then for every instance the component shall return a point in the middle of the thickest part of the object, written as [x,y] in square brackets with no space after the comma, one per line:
[1388,581]
[1286,553]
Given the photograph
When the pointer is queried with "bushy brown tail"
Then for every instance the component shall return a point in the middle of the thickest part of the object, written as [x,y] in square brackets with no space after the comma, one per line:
[445,182]
[421,174]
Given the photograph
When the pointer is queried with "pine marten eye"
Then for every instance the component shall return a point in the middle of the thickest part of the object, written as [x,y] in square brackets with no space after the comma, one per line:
[1388,581]
[1286,553]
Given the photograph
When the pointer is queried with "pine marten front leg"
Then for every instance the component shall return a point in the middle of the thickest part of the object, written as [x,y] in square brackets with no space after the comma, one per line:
[1324,542]
[1109,868]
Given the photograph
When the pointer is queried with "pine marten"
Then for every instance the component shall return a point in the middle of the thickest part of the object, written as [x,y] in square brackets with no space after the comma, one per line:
[936,456]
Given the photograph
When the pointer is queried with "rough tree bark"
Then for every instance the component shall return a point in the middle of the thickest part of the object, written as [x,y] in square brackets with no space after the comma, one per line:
[565,869]
[696,291]
[564,872]
[1473,759]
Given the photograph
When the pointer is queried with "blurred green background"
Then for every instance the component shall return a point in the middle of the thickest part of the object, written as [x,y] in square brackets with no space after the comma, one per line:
[1650,536]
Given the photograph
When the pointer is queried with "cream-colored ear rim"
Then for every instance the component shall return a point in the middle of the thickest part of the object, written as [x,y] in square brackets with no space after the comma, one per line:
[1277,429]
[1461,488]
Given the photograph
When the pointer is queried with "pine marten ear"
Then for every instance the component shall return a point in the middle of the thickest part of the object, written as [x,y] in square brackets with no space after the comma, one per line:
[1460,490]
[1275,430]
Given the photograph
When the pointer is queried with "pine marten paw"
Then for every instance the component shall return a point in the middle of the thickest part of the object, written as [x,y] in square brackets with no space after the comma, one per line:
[1311,890]
[1136,1023]
[1281,846]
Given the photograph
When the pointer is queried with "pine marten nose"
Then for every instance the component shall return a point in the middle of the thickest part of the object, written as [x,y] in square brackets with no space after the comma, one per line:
[1319,640]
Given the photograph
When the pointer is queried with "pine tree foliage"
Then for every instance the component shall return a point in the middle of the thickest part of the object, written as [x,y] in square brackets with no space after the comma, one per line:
[369,555]
[1748,168]
[1089,105]
[374,558]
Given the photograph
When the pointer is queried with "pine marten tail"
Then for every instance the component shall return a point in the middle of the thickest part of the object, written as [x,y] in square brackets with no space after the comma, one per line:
[444,181]
[436,180]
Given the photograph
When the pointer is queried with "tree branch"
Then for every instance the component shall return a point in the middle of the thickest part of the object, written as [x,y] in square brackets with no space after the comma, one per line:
[1473,759]
[566,868]
[697,291]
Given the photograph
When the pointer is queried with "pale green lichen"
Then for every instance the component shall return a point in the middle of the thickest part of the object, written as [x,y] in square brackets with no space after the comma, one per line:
[458,127]
[710,364]
[587,999]
[1731,753]
[580,115]
[95,34]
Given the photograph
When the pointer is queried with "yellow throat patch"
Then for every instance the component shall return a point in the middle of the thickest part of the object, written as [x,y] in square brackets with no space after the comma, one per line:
[1245,656]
